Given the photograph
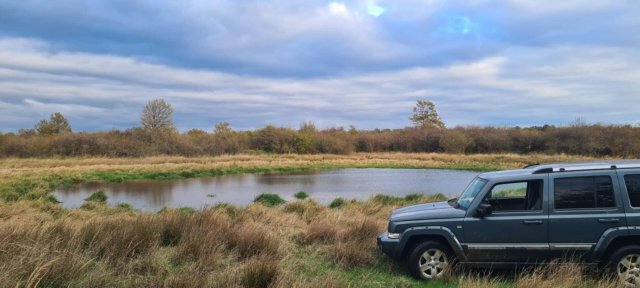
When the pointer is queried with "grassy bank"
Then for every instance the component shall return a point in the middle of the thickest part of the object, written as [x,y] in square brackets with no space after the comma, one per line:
[35,178]
[296,244]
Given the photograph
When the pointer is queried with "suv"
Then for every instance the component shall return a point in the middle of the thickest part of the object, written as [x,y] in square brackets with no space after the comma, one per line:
[589,212]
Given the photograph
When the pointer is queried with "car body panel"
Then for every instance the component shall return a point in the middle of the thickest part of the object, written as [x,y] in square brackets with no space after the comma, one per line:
[503,237]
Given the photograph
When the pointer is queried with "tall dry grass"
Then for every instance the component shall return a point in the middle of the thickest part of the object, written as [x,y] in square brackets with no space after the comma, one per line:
[256,246]
[17,167]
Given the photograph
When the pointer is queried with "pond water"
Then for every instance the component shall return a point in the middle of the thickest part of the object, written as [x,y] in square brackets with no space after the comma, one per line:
[240,190]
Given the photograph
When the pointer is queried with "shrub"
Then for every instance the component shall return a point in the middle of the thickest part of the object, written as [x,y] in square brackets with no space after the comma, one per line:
[338,202]
[301,195]
[97,196]
[269,199]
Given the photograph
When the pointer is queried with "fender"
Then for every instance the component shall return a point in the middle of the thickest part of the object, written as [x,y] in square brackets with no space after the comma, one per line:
[609,235]
[434,230]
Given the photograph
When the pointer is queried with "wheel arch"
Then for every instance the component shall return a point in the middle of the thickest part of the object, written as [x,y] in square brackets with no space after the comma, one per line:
[443,235]
[617,243]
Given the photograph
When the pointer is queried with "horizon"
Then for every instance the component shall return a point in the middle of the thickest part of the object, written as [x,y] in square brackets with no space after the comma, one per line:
[334,63]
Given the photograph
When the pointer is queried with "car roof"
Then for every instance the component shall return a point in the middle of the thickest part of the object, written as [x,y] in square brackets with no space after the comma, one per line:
[564,167]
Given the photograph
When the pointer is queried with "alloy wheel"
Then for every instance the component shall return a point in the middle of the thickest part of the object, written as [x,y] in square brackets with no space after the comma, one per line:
[628,270]
[433,263]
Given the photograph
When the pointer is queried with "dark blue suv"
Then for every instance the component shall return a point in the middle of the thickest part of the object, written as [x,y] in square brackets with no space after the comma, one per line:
[587,212]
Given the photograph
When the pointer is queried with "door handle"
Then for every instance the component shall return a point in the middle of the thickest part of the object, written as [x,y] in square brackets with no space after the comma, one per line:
[608,220]
[532,222]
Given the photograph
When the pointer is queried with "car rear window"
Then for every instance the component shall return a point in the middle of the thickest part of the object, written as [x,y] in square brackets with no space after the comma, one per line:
[632,181]
[584,192]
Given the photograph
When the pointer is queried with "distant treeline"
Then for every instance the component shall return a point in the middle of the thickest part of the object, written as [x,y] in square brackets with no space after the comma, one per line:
[596,140]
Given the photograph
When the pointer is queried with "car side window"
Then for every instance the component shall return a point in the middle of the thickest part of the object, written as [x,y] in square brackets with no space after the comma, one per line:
[516,196]
[632,181]
[584,192]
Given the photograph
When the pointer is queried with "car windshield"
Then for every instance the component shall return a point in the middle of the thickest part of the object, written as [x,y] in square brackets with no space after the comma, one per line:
[470,193]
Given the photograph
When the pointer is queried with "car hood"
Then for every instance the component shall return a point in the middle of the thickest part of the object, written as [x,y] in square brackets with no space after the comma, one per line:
[436,210]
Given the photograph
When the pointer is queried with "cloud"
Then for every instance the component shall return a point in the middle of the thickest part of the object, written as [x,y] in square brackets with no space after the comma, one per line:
[316,38]
[338,8]
[523,86]
[344,62]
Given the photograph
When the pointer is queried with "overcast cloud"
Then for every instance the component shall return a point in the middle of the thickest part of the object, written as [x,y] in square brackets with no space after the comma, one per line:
[339,63]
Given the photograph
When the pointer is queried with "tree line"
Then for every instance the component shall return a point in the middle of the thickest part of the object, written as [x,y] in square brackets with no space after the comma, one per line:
[157,135]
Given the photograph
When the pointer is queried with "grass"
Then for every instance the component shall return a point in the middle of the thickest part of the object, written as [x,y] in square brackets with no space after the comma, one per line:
[35,178]
[269,199]
[296,244]
[301,195]
[225,246]
[337,203]
[97,196]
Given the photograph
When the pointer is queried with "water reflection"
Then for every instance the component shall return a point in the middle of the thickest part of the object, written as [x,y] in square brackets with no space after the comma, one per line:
[323,185]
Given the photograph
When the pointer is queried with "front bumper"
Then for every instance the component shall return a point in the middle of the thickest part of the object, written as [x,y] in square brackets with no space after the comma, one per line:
[388,246]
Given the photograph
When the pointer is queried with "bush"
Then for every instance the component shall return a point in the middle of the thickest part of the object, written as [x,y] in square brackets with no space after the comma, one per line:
[301,195]
[97,196]
[269,199]
[338,202]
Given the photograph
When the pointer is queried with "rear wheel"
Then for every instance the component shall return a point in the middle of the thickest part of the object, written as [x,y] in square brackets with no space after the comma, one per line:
[625,262]
[430,260]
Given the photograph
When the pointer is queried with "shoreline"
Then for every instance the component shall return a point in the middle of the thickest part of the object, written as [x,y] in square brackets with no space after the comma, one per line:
[36,178]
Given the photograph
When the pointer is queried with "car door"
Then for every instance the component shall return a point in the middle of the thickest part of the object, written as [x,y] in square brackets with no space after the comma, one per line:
[516,231]
[630,193]
[583,205]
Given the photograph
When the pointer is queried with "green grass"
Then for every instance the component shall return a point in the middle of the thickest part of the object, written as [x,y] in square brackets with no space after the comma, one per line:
[337,203]
[301,195]
[97,196]
[35,187]
[269,199]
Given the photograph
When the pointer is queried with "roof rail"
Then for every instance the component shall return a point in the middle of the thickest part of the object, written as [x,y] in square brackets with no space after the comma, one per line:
[599,166]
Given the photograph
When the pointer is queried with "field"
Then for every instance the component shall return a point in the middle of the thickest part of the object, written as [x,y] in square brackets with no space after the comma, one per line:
[295,244]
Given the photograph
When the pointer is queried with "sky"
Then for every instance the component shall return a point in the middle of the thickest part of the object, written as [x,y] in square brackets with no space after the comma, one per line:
[335,63]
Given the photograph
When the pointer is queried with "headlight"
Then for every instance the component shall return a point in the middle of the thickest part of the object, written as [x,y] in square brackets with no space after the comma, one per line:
[393,235]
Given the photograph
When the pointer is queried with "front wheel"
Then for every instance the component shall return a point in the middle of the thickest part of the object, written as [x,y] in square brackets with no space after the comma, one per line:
[430,260]
[626,264]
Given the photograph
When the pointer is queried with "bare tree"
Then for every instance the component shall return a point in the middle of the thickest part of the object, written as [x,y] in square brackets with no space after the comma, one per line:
[157,116]
[425,115]
[56,124]
[222,129]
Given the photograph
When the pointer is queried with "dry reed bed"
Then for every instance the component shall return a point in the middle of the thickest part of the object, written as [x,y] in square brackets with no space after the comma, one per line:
[298,244]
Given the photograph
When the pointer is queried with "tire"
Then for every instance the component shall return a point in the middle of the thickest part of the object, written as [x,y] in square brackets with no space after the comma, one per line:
[625,264]
[430,260]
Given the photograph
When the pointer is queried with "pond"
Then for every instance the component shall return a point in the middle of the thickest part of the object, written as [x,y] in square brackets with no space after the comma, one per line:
[240,190]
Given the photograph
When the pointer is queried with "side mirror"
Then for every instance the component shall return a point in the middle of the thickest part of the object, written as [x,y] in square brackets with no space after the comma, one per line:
[484,209]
